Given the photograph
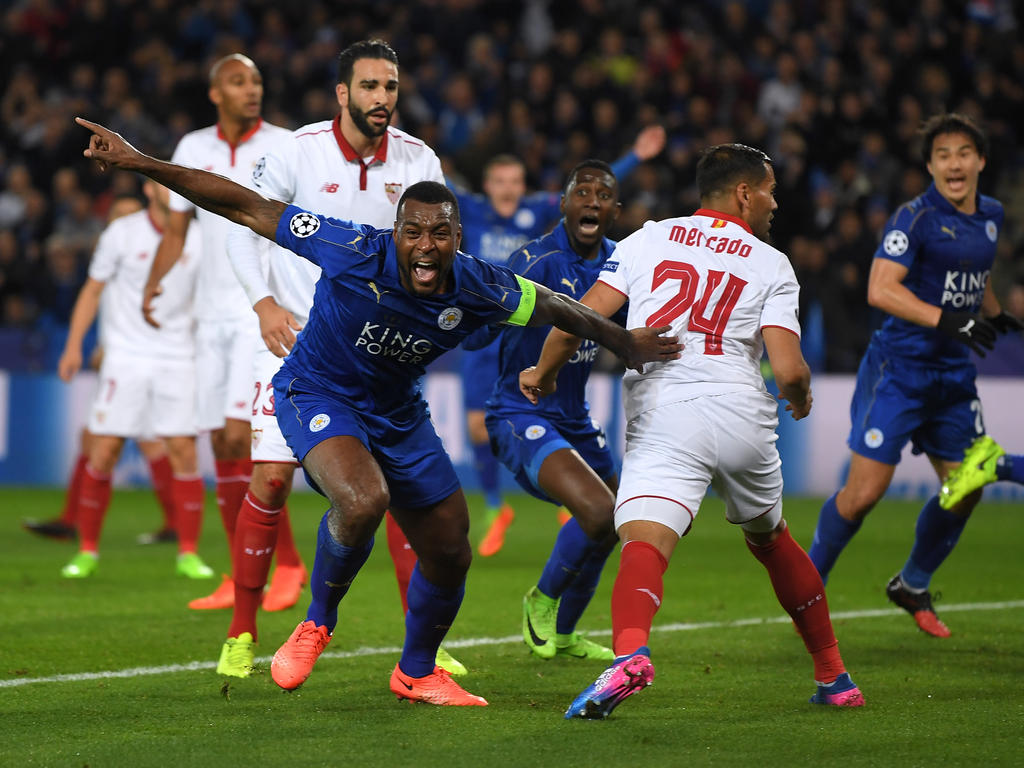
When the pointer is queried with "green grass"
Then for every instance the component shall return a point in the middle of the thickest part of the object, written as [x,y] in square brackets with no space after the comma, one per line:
[724,695]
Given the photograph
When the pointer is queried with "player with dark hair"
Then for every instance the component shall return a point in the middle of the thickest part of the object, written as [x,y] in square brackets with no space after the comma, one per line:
[226,328]
[916,381]
[356,165]
[705,418]
[348,396]
[494,225]
[554,449]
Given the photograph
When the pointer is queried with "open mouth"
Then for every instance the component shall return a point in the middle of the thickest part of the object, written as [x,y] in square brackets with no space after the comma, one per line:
[424,272]
[956,183]
[589,224]
[379,115]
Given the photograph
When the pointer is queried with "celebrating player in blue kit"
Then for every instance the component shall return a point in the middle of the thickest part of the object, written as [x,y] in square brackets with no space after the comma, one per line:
[494,225]
[349,401]
[916,381]
[555,450]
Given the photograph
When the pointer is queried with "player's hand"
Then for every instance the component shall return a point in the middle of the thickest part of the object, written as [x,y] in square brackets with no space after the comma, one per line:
[650,345]
[649,142]
[973,330]
[277,326]
[69,364]
[801,410]
[149,293]
[107,148]
[534,386]
[1004,322]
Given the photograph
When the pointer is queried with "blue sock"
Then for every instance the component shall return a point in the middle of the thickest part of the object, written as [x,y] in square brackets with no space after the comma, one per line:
[334,568]
[486,467]
[572,548]
[936,534]
[1010,468]
[578,594]
[432,610]
[830,537]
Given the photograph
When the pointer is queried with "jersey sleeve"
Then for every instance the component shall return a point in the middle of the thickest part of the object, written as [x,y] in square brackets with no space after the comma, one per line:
[614,273]
[902,237]
[182,156]
[107,255]
[782,304]
[273,175]
[507,297]
[331,244]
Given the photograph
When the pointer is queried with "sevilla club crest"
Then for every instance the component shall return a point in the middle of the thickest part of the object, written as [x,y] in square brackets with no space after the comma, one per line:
[394,192]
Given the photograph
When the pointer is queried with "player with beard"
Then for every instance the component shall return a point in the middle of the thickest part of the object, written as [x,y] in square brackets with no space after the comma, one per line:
[555,450]
[388,303]
[356,167]
[226,331]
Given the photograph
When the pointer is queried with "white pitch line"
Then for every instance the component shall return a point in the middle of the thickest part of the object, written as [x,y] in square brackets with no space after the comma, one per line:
[193,666]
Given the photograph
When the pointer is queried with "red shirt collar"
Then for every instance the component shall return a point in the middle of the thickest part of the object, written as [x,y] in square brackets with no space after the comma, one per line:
[152,221]
[724,216]
[241,139]
[381,155]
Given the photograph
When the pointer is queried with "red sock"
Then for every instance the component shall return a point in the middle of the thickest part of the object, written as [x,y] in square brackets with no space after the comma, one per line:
[232,483]
[287,553]
[69,515]
[257,529]
[402,556]
[93,501]
[187,494]
[160,474]
[802,595]
[636,596]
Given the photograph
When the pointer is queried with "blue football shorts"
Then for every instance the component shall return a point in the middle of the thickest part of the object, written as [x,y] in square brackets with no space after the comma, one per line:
[522,441]
[898,400]
[417,469]
[479,372]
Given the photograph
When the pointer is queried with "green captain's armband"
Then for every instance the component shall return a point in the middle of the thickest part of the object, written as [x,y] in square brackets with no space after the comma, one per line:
[527,302]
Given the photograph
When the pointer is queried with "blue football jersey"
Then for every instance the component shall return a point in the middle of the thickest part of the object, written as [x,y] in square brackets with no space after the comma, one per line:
[949,256]
[492,237]
[552,262]
[368,339]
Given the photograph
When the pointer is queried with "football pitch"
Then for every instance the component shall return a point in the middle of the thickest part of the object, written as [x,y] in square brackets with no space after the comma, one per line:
[116,671]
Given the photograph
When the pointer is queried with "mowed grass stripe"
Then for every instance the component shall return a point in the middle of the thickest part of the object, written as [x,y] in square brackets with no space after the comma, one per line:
[193,666]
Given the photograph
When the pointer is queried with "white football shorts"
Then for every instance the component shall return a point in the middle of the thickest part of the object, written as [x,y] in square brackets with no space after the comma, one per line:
[268,444]
[144,398]
[674,451]
[224,360]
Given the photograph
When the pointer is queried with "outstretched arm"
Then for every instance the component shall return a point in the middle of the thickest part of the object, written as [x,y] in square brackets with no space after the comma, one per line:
[589,317]
[207,190]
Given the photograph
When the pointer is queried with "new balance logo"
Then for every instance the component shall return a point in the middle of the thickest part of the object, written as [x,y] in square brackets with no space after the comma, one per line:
[330,187]
[654,597]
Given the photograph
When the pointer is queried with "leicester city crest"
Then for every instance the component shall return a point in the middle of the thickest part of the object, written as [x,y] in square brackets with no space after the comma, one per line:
[449,318]
[991,230]
[304,224]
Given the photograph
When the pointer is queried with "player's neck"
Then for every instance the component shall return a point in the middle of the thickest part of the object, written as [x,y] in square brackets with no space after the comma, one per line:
[363,145]
[505,208]
[158,216]
[234,129]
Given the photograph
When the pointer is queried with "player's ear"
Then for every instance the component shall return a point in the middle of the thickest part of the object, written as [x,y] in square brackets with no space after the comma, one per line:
[616,211]
[215,96]
[458,237]
[341,94]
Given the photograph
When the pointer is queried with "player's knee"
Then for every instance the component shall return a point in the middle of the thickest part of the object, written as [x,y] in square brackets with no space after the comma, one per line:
[855,501]
[595,516]
[447,563]
[271,484]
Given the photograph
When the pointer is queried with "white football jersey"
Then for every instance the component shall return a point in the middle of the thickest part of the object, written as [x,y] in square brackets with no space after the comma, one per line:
[316,168]
[122,259]
[717,286]
[218,293]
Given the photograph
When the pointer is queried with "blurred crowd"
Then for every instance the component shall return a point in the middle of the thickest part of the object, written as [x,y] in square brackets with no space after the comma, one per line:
[834,90]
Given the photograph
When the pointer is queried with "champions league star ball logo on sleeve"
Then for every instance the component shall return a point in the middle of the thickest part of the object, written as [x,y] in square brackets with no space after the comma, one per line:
[449,318]
[304,224]
[895,243]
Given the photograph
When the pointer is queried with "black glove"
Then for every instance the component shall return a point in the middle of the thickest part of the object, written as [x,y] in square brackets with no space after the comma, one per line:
[974,331]
[1004,322]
